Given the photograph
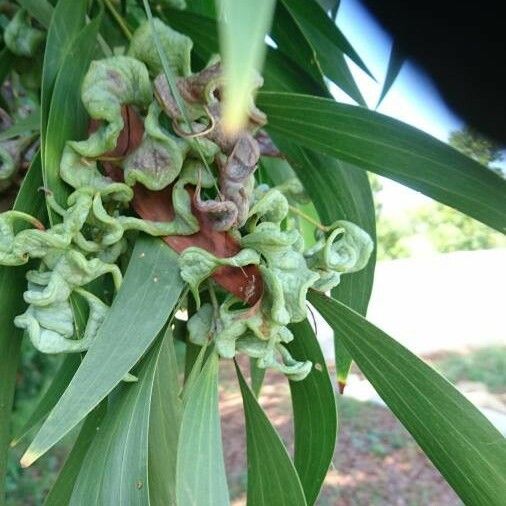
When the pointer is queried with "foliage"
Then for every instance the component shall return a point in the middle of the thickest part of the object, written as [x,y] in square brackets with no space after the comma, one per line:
[165,141]
[484,365]
[436,226]
[472,144]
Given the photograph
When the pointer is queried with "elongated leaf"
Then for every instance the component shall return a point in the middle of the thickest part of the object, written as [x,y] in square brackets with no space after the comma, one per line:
[317,61]
[460,441]
[395,63]
[27,125]
[62,126]
[115,469]
[390,148]
[257,376]
[61,491]
[149,293]
[321,32]
[314,412]
[164,425]
[200,472]
[67,20]
[279,72]
[242,34]
[41,10]
[272,478]
[60,382]
[12,286]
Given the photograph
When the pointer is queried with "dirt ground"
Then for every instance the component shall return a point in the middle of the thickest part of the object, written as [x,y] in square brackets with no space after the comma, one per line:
[376,462]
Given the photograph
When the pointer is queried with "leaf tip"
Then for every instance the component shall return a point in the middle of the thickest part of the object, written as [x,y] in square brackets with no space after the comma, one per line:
[28,458]
[341,385]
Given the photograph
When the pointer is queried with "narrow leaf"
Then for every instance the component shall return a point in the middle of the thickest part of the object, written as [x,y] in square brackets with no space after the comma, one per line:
[243,28]
[200,472]
[395,63]
[321,32]
[115,469]
[12,286]
[62,126]
[272,478]
[375,142]
[164,426]
[317,60]
[460,441]
[149,293]
[61,491]
[314,412]
[67,20]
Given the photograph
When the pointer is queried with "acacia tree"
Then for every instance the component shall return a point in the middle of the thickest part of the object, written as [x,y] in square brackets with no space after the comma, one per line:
[169,180]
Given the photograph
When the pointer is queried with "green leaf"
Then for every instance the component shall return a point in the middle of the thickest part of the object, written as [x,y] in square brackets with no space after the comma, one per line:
[322,33]
[41,10]
[6,59]
[310,54]
[390,148]
[61,491]
[22,126]
[460,441]
[164,426]
[397,58]
[12,286]
[279,72]
[67,20]
[50,397]
[149,293]
[201,480]
[257,375]
[242,34]
[62,126]
[314,412]
[272,478]
[115,469]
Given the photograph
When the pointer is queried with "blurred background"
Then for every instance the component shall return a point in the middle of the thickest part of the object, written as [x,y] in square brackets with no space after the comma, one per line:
[439,290]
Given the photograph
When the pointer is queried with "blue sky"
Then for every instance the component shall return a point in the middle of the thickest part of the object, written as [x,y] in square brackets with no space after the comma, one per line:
[412,98]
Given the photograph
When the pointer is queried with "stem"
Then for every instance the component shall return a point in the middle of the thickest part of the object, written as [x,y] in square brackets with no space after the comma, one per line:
[119,19]
[297,211]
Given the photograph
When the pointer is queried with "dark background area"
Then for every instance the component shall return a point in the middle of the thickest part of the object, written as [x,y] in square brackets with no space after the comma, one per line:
[461,45]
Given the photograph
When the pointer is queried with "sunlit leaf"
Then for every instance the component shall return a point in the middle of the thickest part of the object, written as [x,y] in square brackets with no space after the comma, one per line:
[460,441]
[272,478]
[243,27]
[381,144]
[130,327]
[202,480]
[314,413]
[115,469]
[61,491]
[164,425]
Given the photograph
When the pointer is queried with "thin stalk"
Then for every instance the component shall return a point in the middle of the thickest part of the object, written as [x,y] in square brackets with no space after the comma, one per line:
[119,19]
[319,226]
